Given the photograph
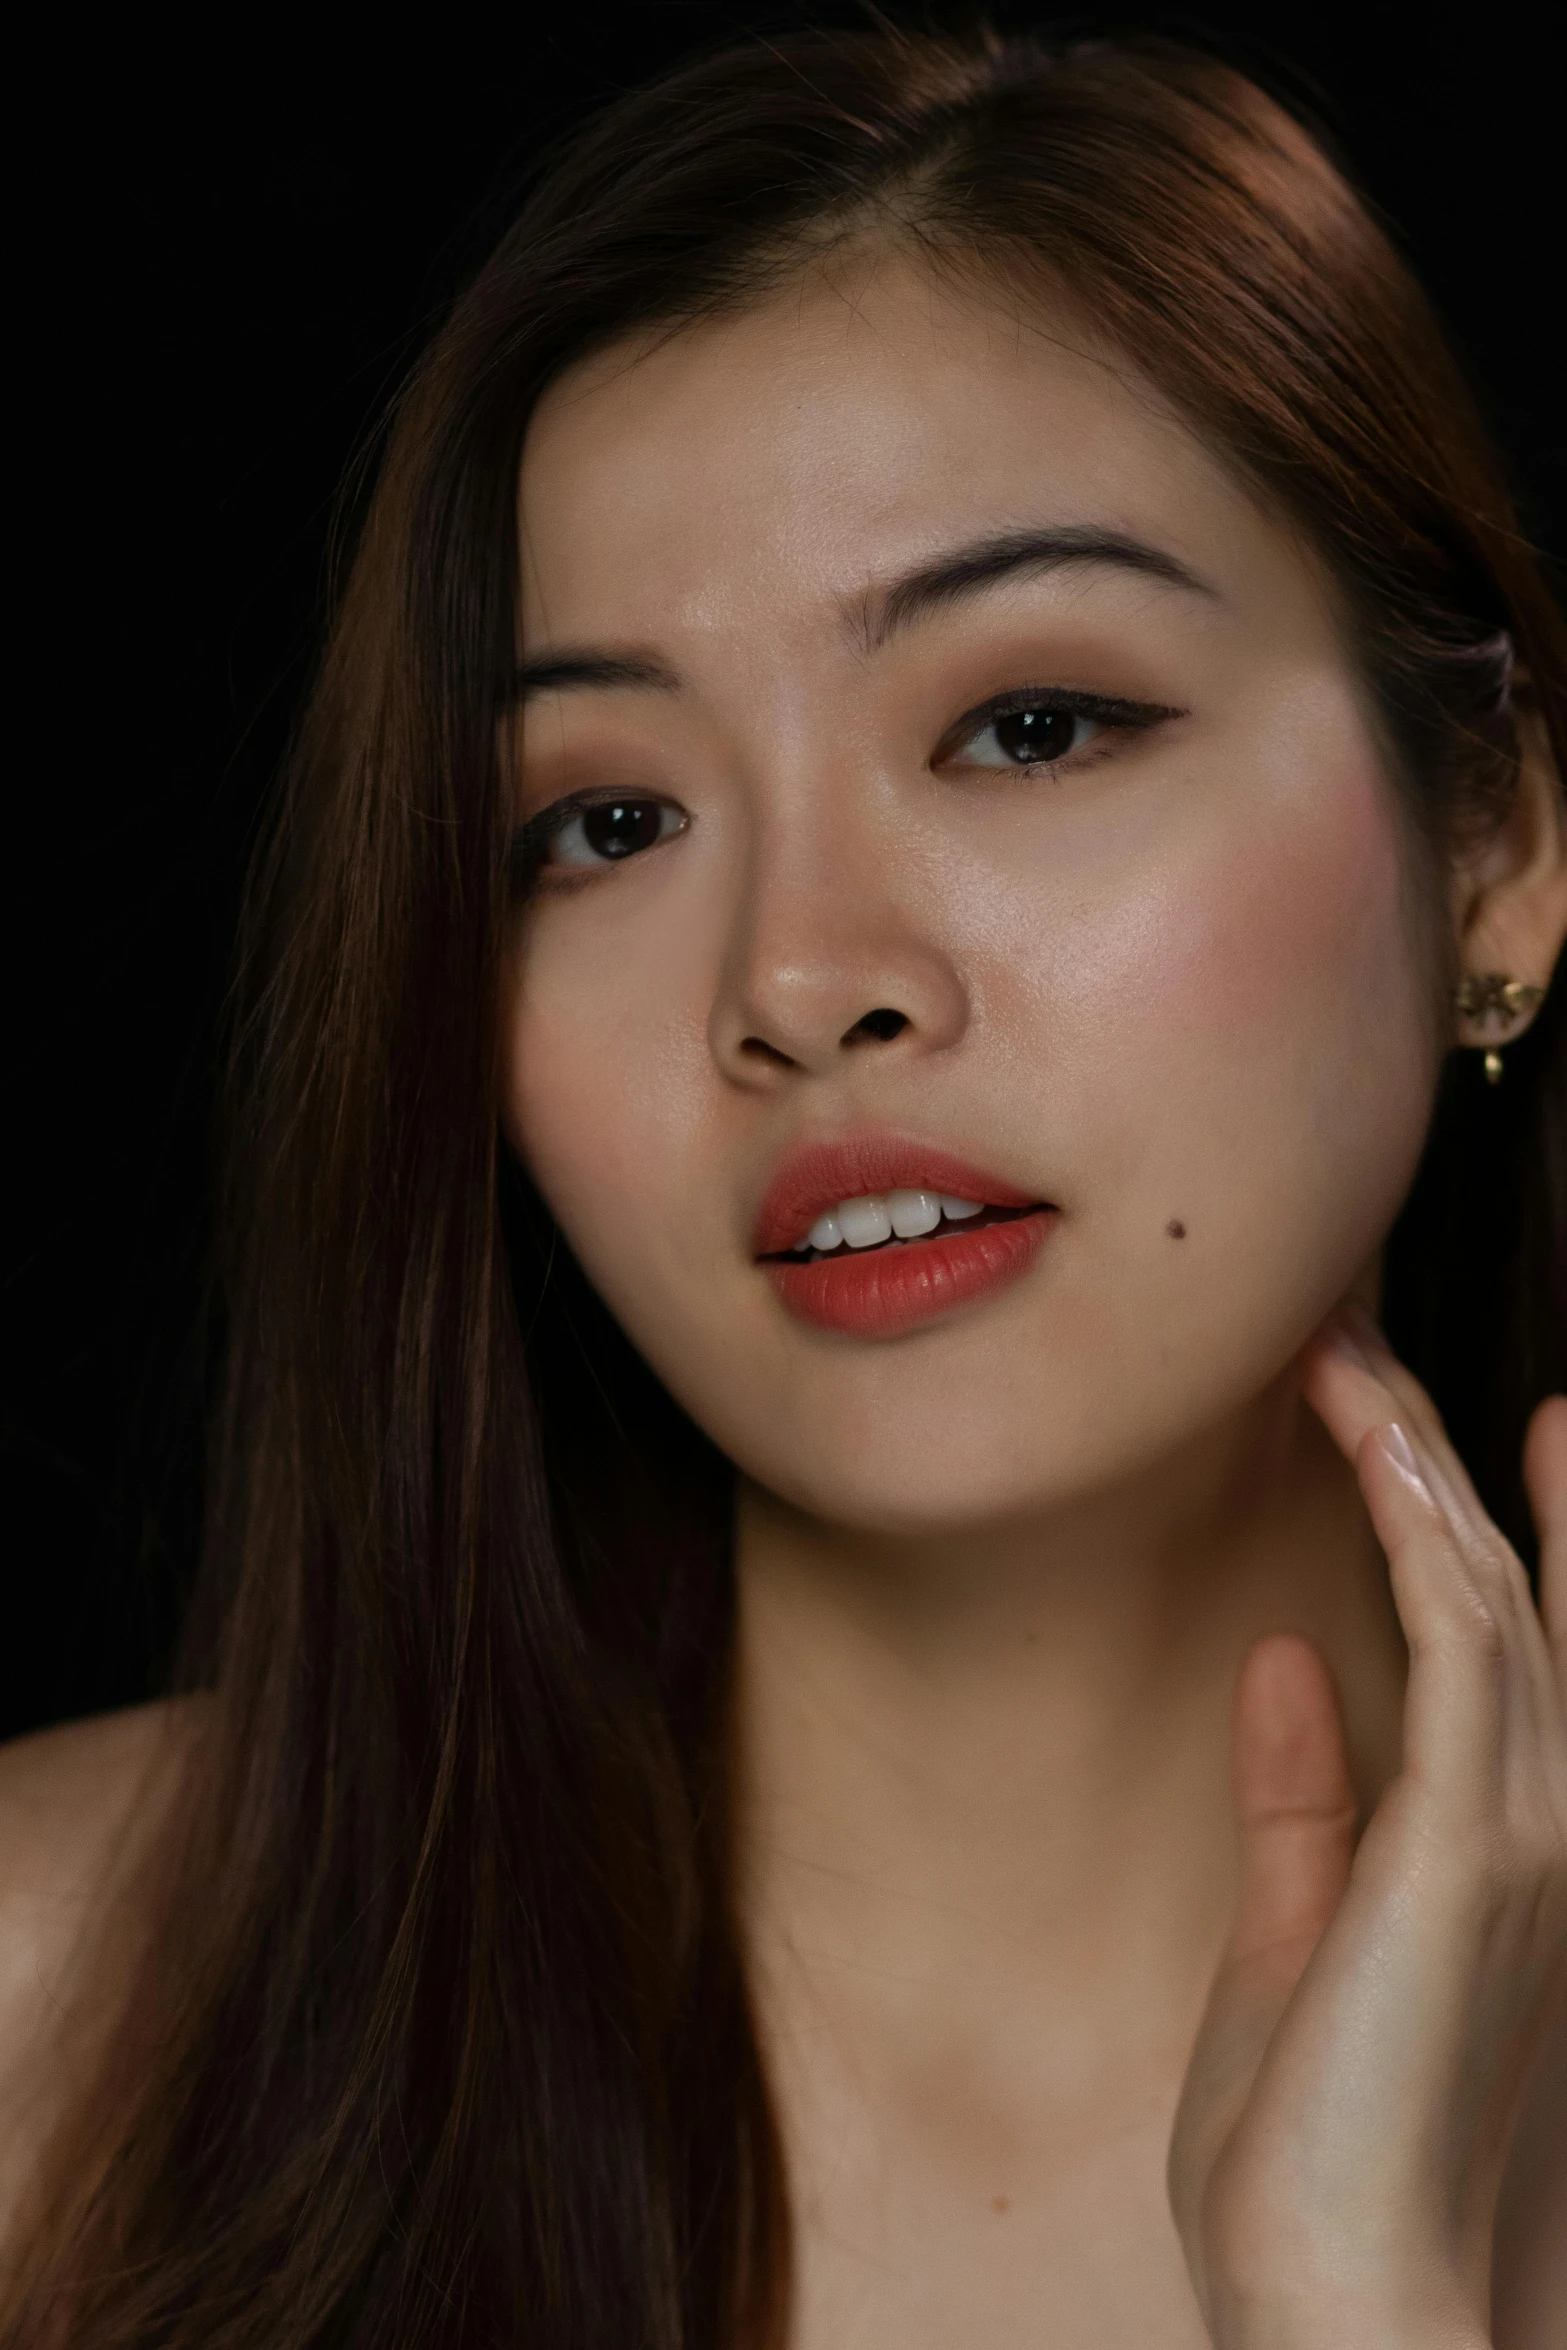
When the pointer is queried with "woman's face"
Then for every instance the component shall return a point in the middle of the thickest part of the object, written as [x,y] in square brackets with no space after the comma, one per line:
[969,795]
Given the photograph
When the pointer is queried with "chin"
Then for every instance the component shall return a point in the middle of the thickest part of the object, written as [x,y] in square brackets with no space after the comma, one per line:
[968,1429]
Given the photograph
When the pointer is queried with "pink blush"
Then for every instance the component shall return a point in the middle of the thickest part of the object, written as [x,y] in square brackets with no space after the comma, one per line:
[1309,901]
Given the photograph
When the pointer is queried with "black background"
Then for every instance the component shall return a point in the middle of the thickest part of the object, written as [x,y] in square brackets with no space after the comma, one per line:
[232,240]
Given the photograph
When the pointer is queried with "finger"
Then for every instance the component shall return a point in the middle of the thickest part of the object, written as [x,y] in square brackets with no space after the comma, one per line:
[1356,1403]
[1355,1382]
[1545,1475]
[1295,1804]
[1456,1701]
[1295,1809]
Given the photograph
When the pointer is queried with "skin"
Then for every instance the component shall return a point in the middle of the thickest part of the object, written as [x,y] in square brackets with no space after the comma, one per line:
[80,1807]
[999,1577]
[1079,1630]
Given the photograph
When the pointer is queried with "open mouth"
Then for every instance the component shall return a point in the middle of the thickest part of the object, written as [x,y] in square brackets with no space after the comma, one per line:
[856,1274]
[969,1217]
[872,1234]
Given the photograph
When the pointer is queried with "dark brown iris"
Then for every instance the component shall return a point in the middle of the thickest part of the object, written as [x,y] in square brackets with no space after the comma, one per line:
[1030,735]
[618,828]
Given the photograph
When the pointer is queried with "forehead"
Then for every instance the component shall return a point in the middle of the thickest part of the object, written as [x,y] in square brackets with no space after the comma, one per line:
[763,469]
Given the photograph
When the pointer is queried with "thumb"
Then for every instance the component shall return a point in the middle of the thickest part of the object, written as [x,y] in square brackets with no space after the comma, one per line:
[1296,1813]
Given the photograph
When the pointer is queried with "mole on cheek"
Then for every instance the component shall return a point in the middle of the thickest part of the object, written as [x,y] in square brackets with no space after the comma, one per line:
[1175,1229]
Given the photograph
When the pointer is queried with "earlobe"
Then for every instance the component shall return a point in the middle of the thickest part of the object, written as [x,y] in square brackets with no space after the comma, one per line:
[1511,904]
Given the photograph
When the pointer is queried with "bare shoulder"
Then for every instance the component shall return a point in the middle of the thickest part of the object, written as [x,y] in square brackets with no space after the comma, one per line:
[78,1807]
[69,1799]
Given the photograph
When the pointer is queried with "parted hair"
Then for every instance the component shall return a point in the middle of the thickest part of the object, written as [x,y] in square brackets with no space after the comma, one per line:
[435,2030]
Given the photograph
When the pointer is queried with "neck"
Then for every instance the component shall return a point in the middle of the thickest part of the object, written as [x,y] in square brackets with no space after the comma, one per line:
[993,1764]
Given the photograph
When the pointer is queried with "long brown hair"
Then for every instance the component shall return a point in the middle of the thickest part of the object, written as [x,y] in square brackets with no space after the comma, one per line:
[443,2035]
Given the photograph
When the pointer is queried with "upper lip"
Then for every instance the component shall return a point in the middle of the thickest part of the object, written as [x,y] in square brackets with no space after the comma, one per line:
[815,1176]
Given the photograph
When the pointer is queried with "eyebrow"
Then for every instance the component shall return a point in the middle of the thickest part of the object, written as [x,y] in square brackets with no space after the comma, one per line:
[969,570]
[569,669]
[883,611]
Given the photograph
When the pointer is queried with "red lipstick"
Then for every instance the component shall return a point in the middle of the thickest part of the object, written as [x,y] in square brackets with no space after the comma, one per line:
[880,1291]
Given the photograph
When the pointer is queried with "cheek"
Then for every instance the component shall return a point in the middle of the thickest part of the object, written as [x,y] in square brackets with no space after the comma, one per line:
[1290,932]
[606,1081]
[1260,1019]
[1220,933]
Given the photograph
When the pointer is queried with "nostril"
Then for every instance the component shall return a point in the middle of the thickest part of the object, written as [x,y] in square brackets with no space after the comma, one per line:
[880,1027]
[757,1048]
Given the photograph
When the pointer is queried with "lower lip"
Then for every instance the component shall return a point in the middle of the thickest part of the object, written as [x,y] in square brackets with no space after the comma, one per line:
[887,1290]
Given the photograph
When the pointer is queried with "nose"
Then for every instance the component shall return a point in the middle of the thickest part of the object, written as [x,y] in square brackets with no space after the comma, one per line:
[832,953]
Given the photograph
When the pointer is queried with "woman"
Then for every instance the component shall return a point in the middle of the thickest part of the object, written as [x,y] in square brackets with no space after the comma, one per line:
[848,1698]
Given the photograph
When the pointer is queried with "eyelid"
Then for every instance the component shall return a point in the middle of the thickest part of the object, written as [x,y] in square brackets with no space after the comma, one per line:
[1108,709]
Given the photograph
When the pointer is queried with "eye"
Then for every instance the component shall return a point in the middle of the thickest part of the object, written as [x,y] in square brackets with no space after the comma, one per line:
[1028,737]
[1042,725]
[585,834]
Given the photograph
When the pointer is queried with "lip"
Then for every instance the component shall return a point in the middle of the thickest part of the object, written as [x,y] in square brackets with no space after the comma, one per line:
[882,1292]
[817,1175]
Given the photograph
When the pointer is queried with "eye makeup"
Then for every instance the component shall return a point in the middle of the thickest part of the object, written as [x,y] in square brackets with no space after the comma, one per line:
[1035,726]
[1055,707]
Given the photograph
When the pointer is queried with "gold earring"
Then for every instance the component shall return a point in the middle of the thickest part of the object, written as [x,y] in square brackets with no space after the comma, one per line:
[1492,996]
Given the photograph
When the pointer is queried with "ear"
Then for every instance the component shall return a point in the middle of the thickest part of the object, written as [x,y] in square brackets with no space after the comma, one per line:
[1509,895]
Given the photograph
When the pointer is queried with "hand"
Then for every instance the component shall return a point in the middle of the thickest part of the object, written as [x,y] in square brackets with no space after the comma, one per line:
[1345,2118]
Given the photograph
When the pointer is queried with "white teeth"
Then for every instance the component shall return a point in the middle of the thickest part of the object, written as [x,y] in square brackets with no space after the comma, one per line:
[913,1212]
[868,1221]
[864,1222]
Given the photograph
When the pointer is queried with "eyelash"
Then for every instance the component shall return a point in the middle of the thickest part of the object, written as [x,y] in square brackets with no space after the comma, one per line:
[1107,710]
[531,840]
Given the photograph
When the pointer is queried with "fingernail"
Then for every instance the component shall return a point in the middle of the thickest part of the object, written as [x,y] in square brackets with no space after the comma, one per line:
[1401,1453]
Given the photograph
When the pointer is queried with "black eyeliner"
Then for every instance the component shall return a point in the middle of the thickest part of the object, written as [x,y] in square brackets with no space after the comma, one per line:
[1109,709]
[1073,701]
